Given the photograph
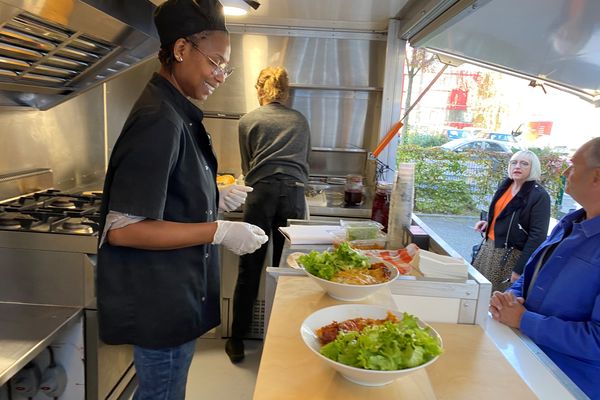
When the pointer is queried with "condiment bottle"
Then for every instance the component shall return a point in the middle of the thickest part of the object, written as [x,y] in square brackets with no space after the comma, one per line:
[353,191]
[381,204]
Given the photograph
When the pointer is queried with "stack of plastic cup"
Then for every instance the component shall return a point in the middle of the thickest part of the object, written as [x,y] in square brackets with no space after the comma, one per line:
[401,206]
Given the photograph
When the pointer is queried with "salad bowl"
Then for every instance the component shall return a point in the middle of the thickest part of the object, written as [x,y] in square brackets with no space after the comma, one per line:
[351,291]
[365,377]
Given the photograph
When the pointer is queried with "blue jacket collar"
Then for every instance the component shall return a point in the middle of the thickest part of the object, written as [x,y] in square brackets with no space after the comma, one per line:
[590,227]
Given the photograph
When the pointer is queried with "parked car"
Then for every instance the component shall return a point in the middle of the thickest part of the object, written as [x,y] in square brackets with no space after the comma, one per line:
[455,133]
[460,145]
[503,137]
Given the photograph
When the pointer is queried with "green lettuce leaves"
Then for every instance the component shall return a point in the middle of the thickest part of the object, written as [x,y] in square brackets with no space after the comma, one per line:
[326,264]
[387,347]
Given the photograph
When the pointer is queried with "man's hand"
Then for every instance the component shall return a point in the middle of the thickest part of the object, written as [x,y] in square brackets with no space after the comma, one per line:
[507,308]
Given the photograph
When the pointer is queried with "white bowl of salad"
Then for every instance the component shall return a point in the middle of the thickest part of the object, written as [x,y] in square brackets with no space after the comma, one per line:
[370,345]
[346,274]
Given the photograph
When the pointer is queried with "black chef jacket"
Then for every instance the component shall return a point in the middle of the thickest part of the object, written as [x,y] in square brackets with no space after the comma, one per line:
[162,167]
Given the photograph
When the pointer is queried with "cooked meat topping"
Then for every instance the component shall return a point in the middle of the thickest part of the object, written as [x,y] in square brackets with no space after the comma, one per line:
[328,333]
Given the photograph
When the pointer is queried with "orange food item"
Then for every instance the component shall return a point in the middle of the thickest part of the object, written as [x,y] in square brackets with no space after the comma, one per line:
[328,333]
[223,180]
[376,273]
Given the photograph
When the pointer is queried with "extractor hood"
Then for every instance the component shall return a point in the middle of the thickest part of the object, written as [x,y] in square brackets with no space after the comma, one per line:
[556,42]
[53,50]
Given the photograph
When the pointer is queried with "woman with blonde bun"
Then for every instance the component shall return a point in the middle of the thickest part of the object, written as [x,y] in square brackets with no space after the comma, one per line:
[275,147]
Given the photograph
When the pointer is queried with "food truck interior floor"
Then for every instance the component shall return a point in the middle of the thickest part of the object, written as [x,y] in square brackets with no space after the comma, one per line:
[213,376]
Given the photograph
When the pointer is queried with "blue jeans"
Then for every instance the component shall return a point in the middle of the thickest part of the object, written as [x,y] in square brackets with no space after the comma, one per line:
[162,373]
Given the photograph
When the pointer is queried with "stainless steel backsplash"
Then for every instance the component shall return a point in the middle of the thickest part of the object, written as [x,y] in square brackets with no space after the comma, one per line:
[336,84]
[67,138]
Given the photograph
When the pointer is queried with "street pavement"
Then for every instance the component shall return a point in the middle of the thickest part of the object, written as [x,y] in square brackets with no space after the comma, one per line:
[456,230]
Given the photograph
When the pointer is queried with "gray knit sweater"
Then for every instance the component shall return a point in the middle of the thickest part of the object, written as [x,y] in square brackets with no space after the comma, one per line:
[274,139]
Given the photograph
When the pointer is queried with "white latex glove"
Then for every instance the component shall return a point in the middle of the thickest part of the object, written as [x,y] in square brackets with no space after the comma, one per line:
[233,196]
[239,237]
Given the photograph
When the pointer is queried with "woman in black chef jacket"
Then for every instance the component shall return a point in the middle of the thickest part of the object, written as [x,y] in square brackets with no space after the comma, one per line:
[158,277]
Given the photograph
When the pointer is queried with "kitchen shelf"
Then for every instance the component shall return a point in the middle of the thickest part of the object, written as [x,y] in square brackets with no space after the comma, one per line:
[343,88]
[26,330]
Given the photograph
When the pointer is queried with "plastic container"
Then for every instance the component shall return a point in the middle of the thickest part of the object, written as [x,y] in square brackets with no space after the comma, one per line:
[362,235]
[361,230]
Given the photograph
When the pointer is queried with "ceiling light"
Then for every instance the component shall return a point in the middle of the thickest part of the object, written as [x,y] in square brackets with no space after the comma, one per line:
[234,11]
[238,7]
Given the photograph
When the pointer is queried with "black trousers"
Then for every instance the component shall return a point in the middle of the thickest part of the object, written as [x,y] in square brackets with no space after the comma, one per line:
[273,201]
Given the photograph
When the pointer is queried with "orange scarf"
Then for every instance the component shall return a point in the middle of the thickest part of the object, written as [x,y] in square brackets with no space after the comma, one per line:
[498,207]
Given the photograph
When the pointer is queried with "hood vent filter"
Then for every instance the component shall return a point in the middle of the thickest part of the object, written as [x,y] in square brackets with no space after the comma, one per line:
[34,51]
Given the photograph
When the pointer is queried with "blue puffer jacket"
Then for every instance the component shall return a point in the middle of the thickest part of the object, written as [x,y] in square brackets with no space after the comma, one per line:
[563,305]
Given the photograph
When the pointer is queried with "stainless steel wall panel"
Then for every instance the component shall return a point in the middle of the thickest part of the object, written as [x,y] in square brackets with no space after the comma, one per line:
[337,162]
[338,118]
[337,85]
[25,181]
[122,93]
[67,138]
[46,277]
[350,63]
[224,134]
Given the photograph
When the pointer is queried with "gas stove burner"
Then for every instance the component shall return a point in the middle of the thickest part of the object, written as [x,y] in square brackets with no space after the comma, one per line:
[16,221]
[75,225]
[7,222]
[62,202]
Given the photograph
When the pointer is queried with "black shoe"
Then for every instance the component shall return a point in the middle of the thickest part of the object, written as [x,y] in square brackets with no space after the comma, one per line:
[235,350]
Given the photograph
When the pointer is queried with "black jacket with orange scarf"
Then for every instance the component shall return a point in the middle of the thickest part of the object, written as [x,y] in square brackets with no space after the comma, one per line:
[523,224]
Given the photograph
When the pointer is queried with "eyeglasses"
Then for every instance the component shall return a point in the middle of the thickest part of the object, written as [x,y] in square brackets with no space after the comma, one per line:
[219,68]
[520,162]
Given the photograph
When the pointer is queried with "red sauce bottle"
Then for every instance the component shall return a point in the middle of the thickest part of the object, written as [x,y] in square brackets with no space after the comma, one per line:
[381,204]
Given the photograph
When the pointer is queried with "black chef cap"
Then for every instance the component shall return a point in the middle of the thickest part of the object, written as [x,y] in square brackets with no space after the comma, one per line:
[176,19]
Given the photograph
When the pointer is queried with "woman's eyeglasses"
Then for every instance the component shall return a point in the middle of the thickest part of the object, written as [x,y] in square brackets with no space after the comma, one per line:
[219,68]
[521,163]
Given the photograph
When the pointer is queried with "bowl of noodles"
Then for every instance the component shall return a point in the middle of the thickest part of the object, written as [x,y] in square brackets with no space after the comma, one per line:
[346,274]
[370,345]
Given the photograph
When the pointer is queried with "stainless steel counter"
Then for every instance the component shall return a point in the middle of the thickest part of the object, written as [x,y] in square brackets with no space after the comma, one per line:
[316,211]
[359,212]
[25,330]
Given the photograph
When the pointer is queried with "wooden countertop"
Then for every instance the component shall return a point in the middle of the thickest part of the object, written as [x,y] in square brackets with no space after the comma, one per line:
[470,368]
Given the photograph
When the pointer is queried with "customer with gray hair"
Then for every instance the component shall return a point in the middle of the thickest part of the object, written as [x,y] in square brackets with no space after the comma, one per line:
[517,222]
[556,301]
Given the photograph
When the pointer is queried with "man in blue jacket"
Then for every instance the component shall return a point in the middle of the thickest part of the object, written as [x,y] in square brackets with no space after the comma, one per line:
[556,302]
